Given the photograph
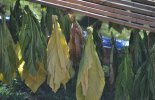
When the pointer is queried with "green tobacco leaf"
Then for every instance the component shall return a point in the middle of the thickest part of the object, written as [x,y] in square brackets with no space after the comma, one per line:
[48,20]
[137,49]
[114,60]
[152,54]
[8,56]
[144,83]
[98,41]
[32,42]
[14,28]
[43,24]
[66,26]
[53,11]
[117,27]
[15,20]
[124,80]
[17,12]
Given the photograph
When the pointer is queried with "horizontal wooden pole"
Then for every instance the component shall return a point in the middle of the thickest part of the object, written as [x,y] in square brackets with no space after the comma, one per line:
[91,8]
[114,10]
[146,2]
[134,4]
[128,7]
[94,15]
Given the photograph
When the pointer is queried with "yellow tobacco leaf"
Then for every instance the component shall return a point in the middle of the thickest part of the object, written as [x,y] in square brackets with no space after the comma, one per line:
[1,77]
[33,82]
[91,81]
[58,63]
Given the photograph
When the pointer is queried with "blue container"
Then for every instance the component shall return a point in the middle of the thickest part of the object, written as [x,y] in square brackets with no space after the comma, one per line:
[119,43]
[106,42]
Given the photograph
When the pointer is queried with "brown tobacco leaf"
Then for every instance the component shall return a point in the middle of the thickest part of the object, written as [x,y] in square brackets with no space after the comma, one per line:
[76,42]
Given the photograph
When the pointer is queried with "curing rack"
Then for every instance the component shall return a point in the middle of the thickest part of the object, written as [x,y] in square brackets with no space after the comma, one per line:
[127,13]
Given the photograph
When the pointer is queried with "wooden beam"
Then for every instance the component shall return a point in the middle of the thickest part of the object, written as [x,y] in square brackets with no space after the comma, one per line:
[127,7]
[91,8]
[59,3]
[146,2]
[135,4]
[114,10]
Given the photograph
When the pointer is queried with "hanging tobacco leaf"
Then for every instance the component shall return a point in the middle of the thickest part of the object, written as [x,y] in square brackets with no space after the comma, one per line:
[115,60]
[32,42]
[17,12]
[62,19]
[144,83]
[153,55]
[111,74]
[91,80]
[125,78]
[66,26]
[86,21]
[8,56]
[146,45]
[33,82]
[58,63]
[31,52]
[15,20]
[48,19]
[98,41]
[151,38]
[117,27]
[136,48]
[43,25]
[76,42]
[14,28]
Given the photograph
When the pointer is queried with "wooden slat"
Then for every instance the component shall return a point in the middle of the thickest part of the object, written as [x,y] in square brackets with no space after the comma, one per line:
[134,4]
[101,17]
[91,8]
[128,7]
[146,2]
[117,11]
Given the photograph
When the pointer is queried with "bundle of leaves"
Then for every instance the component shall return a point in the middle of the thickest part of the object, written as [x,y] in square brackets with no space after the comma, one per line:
[8,58]
[137,49]
[32,42]
[15,20]
[144,88]
[31,51]
[144,82]
[125,78]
